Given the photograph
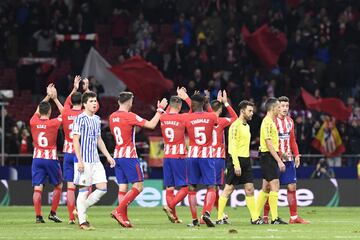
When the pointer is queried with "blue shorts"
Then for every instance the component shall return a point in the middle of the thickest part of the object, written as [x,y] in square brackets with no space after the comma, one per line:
[42,168]
[128,170]
[68,166]
[219,169]
[289,176]
[174,172]
[201,171]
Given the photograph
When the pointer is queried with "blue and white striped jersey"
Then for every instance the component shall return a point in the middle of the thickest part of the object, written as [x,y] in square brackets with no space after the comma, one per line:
[89,129]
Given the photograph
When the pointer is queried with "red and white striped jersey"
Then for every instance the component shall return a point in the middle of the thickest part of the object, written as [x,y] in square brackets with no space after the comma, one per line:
[122,128]
[44,133]
[173,132]
[287,140]
[199,126]
[68,116]
[218,142]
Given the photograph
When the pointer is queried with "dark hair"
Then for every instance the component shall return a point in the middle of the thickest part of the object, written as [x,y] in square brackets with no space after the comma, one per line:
[85,97]
[216,105]
[244,103]
[175,101]
[44,108]
[270,102]
[76,98]
[125,96]
[283,99]
[197,102]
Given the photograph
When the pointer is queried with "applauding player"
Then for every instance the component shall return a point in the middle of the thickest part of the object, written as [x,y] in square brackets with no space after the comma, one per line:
[128,170]
[201,164]
[45,161]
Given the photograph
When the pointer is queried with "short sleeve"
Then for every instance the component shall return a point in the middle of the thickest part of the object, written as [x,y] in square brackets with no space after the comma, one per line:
[267,129]
[57,121]
[99,128]
[136,120]
[35,117]
[77,125]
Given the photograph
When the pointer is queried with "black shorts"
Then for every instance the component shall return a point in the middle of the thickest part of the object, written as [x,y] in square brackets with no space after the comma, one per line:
[246,172]
[269,167]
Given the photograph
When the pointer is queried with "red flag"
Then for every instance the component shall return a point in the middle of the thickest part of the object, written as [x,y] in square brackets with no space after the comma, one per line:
[143,79]
[266,44]
[333,106]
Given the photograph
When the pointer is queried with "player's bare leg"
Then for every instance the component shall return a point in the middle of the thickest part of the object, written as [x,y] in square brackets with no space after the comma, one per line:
[55,203]
[291,197]
[70,201]
[37,203]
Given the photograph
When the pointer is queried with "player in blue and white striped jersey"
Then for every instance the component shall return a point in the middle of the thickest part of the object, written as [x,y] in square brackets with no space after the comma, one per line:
[88,168]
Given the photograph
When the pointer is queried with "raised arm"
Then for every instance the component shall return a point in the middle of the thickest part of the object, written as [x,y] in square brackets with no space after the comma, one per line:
[154,121]
[233,115]
[77,79]
[53,95]
[46,98]
[182,93]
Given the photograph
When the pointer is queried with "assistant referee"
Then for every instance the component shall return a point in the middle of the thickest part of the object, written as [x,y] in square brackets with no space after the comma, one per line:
[238,165]
[270,161]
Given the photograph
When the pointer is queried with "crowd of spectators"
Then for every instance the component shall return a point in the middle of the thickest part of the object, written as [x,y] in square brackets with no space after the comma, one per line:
[203,48]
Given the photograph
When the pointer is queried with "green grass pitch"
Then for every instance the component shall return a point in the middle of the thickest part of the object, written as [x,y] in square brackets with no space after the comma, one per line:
[151,223]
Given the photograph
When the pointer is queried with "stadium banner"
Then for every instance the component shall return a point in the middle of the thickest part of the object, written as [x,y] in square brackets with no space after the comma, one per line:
[330,193]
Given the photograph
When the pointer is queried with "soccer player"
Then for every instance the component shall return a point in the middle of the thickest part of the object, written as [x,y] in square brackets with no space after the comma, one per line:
[128,170]
[270,162]
[45,161]
[238,166]
[88,168]
[288,149]
[200,162]
[174,166]
[218,141]
[72,108]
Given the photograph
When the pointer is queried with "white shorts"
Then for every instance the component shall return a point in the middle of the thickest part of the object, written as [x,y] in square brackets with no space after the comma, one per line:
[94,173]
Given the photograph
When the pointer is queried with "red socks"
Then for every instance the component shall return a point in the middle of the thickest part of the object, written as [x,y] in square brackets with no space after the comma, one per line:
[192,204]
[128,198]
[121,196]
[56,199]
[217,199]
[37,202]
[180,195]
[291,197]
[169,196]
[210,200]
[266,208]
[70,201]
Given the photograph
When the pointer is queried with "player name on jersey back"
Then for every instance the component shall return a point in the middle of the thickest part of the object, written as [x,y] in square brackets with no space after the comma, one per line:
[200,126]
[122,128]
[173,132]
[44,133]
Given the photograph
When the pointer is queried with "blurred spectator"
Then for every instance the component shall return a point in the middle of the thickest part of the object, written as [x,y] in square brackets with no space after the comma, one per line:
[25,142]
[120,26]
[13,141]
[323,171]
[45,42]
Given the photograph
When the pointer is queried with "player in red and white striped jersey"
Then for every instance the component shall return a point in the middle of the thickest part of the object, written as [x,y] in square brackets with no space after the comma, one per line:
[201,164]
[174,165]
[128,170]
[45,161]
[218,142]
[72,108]
[289,153]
